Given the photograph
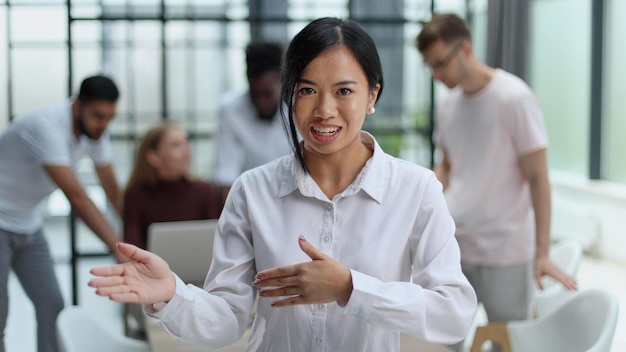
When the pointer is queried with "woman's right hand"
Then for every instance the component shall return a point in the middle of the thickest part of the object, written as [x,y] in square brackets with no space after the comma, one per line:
[146,279]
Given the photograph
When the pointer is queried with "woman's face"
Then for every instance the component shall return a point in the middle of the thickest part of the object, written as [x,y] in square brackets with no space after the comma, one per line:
[172,158]
[332,98]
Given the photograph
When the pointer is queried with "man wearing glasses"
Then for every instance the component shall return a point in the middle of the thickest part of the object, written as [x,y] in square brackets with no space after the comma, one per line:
[490,130]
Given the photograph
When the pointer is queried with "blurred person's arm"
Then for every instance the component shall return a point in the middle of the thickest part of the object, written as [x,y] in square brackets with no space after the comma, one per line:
[67,181]
[535,168]
[442,170]
[110,186]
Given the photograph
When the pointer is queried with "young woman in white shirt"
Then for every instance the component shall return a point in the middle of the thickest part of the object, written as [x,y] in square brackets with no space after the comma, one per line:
[346,246]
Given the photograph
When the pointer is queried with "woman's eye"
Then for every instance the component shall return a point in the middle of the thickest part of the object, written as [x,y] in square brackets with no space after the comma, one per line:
[344,91]
[306,91]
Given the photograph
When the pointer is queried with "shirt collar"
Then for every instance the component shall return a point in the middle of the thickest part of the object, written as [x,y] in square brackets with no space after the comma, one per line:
[370,179]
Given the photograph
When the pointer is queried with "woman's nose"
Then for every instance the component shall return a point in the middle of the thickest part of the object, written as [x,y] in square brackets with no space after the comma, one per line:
[326,107]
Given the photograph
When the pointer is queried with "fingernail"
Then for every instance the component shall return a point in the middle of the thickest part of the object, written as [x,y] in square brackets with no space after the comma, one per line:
[302,238]
[259,277]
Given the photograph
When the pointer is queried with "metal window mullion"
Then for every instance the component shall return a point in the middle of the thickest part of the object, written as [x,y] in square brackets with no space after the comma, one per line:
[164,105]
[9,63]
[596,113]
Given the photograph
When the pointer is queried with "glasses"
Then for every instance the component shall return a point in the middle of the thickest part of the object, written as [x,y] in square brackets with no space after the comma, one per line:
[442,64]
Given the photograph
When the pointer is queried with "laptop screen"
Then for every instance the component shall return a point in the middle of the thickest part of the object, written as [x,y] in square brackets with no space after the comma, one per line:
[187,246]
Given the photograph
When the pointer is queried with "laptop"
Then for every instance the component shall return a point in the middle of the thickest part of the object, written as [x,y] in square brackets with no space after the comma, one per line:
[187,246]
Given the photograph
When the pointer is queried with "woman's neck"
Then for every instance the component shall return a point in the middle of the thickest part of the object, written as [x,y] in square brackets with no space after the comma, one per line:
[334,173]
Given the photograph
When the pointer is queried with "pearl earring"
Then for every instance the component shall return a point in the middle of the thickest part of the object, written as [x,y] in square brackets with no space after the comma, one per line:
[372,110]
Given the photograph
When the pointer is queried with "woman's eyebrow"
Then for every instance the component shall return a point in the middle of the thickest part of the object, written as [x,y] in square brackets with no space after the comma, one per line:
[343,83]
[306,81]
[340,83]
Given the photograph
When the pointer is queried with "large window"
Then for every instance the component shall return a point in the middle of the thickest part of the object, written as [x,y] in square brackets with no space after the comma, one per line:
[560,76]
[38,55]
[174,61]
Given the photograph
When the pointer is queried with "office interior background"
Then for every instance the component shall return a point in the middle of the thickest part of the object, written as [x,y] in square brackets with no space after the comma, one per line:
[172,59]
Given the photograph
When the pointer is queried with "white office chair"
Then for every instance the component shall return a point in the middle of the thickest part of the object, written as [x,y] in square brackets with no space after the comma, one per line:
[567,255]
[78,331]
[585,323]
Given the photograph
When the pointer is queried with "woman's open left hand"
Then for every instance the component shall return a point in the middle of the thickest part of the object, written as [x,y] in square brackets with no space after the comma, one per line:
[145,279]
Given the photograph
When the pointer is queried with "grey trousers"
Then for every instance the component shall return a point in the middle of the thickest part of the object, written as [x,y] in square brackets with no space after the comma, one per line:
[506,292]
[30,259]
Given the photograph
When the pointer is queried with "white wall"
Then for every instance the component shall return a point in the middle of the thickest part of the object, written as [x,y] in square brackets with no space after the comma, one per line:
[603,201]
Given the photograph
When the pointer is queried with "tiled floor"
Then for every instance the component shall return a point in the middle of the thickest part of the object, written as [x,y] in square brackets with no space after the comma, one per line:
[20,333]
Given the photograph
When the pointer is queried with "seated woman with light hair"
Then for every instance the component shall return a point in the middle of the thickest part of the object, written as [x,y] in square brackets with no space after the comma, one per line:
[160,188]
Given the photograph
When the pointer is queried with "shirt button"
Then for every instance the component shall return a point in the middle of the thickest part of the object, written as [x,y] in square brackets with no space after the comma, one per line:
[318,340]
[326,238]
[329,207]
[320,306]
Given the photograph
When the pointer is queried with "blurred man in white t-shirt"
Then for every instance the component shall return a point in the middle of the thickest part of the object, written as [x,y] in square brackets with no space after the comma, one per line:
[38,154]
[490,130]
[250,131]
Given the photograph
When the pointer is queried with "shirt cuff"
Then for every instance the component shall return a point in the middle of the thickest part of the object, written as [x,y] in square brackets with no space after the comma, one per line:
[160,310]
[360,300]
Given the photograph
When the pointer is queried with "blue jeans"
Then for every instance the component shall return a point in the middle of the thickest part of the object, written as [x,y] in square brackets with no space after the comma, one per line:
[30,259]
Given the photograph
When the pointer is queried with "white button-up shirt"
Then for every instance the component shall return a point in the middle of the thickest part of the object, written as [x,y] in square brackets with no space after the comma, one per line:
[390,227]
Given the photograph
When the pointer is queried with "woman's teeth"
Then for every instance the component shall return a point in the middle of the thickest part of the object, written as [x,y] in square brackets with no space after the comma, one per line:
[326,130]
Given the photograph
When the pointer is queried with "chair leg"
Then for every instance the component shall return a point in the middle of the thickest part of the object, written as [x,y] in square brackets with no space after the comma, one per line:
[496,333]
[125,316]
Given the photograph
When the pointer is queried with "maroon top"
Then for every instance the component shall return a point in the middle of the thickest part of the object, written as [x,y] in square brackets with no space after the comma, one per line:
[167,201]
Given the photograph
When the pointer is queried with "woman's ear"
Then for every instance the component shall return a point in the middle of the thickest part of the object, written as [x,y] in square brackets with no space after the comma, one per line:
[153,159]
[373,95]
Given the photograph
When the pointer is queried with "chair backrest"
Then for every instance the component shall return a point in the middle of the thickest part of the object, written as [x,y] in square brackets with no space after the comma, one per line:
[584,323]
[187,246]
[78,331]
